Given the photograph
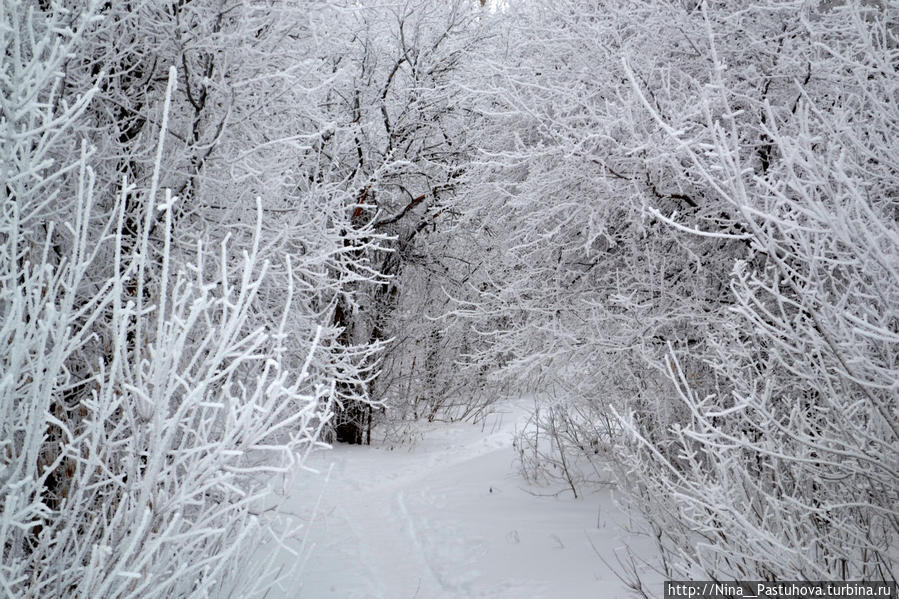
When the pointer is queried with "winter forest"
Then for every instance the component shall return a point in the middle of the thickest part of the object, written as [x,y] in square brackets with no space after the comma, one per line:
[645,250]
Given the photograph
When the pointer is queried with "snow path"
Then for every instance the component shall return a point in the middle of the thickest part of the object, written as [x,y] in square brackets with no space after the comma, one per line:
[450,518]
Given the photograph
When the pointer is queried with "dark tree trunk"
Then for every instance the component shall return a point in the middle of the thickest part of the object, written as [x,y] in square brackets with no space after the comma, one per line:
[350,423]
[349,418]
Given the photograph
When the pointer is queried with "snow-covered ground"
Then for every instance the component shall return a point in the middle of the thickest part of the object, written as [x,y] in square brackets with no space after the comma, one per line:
[450,517]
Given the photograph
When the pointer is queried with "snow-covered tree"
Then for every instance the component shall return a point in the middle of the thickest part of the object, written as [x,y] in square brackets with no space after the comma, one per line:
[689,214]
[402,147]
[154,385]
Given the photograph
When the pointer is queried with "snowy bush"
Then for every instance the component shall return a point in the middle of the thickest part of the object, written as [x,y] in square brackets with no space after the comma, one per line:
[788,464]
[692,208]
[142,418]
